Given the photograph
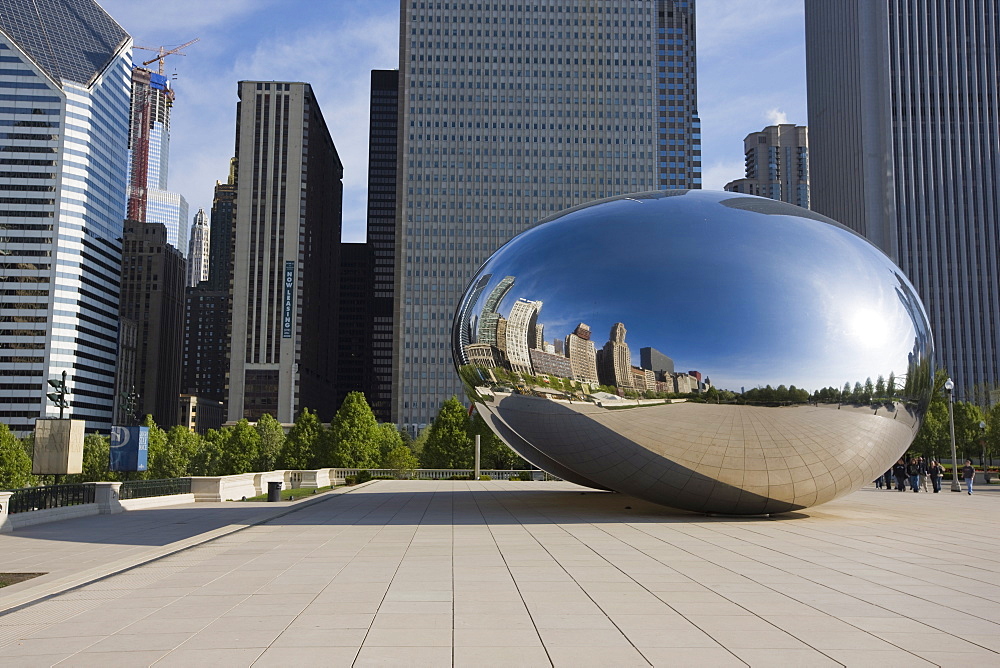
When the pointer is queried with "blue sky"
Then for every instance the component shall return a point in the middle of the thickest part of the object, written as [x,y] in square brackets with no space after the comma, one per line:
[751,73]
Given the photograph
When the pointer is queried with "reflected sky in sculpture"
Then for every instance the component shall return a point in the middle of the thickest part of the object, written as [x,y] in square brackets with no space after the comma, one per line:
[579,337]
[746,298]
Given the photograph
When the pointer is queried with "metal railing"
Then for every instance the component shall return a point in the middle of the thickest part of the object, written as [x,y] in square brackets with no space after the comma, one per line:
[144,489]
[448,474]
[28,499]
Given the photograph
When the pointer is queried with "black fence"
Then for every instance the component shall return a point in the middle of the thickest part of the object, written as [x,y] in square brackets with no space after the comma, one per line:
[50,496]
[143,489]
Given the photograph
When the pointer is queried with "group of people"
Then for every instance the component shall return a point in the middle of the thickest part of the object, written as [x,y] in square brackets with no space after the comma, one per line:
[914,474]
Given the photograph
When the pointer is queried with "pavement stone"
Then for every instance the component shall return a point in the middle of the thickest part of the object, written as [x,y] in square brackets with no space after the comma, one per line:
[487,573]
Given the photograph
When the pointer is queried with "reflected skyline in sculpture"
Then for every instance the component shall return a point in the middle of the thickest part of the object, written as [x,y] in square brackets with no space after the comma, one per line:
[761,302]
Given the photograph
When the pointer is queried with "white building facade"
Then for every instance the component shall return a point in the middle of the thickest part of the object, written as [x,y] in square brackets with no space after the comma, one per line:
[63,176]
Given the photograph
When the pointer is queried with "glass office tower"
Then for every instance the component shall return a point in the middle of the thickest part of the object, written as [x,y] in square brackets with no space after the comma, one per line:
[65,70]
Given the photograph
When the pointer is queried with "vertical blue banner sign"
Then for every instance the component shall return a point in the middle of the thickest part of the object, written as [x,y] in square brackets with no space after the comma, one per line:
[129,449]
[286,311]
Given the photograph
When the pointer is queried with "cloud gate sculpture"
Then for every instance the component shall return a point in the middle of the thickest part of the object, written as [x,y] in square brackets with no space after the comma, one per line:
[709,351]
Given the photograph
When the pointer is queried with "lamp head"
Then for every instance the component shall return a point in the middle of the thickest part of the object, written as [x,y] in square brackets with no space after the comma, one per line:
[949,385]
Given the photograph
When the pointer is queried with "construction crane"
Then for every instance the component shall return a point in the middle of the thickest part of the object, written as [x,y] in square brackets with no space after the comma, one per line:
[163,52]
[142,110]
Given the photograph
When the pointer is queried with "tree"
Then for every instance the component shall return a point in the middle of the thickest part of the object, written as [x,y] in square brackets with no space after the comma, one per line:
[890,386]
[880,387]
[389,438]
[993,431]
[96,459]
[355,434]
[420,442]
[205,462]
[272,438]
[401,460]
[493,452]
[868,392]
[298,451]
[156,455]
[448,443]
[15,464]
[967,432]
[240,450]
[182,445]
[933,438]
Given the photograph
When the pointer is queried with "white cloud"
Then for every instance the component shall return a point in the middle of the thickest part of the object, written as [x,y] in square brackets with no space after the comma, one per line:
[181,16]
[775,116]
[719,173]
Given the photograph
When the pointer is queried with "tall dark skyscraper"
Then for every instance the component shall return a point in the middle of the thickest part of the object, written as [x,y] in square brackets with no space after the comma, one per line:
[510,113]
[208,306]
[905,149]
[286,252]
[65,78]
[354,321]
[153,278]
[382,174]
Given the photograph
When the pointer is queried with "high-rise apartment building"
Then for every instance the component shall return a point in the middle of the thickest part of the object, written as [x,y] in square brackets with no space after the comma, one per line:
[777,164]
[905,149]
[64,124]
[149,141]
[153,298]
[289,192]
[509,113]
[199,248]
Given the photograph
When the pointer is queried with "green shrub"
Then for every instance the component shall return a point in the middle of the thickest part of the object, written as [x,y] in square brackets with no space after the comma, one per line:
[364,476]
[485,477]
[527,476]
[350,480]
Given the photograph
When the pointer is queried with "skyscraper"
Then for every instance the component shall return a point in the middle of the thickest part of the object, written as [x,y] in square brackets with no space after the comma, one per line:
[521,334]
[208,307]
[511,113]
[153,298]
[614,361]
[149,141]
[903,114]
[289,193]
[383,145]
[63,175]
[198,250]
[777,164]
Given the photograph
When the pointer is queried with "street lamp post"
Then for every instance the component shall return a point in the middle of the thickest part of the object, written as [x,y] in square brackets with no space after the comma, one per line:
[949,386]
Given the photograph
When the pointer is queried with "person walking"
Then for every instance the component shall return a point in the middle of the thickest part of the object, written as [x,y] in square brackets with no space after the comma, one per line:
[899,472]
[968,474]
[922,472]
[888,479]
[913,473]
[936,472]
[878,482]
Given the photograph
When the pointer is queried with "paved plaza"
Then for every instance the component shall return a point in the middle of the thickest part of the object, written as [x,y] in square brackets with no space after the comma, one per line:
[509,573]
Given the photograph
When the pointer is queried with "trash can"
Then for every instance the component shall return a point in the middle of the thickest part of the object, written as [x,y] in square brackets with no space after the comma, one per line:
[273,491]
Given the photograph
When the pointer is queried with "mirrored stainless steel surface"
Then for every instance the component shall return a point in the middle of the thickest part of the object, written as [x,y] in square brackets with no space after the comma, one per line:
[703,350]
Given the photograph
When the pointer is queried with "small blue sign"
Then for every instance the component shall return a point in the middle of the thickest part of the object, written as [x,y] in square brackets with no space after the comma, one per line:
[129,449]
